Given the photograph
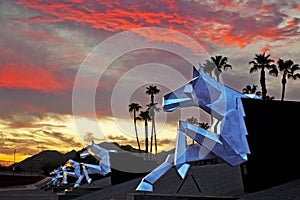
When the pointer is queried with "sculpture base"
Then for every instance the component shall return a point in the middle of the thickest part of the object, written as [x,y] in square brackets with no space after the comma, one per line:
[209,181]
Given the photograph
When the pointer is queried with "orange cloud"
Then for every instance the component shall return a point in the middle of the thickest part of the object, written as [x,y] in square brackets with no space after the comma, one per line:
[297,6]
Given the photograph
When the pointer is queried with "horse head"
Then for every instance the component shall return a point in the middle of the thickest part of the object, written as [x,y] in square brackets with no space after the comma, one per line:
[224,104]
[198,92]
[205,92]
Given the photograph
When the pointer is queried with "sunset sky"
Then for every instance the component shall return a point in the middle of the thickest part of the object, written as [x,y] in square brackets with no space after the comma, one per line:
[56,54]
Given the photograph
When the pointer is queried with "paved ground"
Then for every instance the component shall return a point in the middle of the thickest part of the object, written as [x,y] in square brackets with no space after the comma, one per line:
[288,191]
[35,191]
[27,192]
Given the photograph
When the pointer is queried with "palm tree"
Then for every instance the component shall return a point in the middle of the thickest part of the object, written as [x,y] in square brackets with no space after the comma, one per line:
[135,107]
[209,67]
[192,120]
[251,90]
[262,62]
[288,68]
[144,115]
[269,98]
[152,90]
[204,125]
[220,63]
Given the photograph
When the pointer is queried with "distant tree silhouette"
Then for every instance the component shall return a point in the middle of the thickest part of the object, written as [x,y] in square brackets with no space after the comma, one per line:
[262,62]
[216,65]
[135,107]
[269,98]
[204,125]
[144,115]
[288,69]
[221,64]
[251,89]
[152,90]
[209,67]
[194,120]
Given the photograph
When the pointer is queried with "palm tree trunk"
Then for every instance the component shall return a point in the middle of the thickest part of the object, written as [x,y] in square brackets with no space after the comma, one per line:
[146,136]
[155,141]
[283,82]
[263,83]
[151,139]
[136,134]
[152,121]
[152,99]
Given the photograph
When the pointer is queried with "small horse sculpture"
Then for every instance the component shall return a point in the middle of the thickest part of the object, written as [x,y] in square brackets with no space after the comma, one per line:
[102,155]
[82,170]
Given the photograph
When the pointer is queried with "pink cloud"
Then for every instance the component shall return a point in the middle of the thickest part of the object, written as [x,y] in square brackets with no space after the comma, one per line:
[30,76]
[181,16]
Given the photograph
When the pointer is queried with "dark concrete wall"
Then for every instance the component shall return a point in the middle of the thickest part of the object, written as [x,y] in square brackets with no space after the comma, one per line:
[213,180]
[273,132]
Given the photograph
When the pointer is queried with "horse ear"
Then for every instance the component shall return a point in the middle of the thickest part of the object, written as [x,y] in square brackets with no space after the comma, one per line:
[195,72]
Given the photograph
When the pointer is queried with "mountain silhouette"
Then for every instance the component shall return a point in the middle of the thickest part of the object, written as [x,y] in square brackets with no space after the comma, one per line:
[34,163]
[47,160]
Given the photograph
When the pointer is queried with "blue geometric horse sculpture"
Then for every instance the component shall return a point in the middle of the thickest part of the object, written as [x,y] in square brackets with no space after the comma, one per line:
[229,142]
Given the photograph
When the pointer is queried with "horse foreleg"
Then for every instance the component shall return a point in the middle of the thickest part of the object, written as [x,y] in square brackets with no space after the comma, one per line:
[147,182]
